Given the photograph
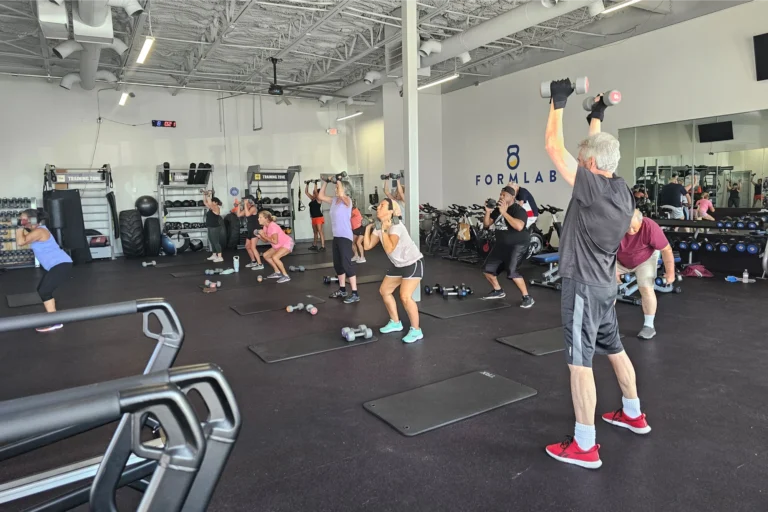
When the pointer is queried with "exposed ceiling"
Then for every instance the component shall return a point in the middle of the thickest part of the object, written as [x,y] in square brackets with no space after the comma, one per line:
[226,44]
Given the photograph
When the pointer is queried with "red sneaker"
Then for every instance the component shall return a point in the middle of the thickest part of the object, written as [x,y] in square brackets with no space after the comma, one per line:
[569,452]
[637,425]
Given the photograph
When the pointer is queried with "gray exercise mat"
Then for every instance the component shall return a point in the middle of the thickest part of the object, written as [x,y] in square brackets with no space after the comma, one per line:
[316,266]
[21,300]
[538,343]
[267,305]
[452,307]
[307,345]
[442,403]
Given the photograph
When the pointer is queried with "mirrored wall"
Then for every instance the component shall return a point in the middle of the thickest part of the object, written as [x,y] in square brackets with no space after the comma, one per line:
[732,168]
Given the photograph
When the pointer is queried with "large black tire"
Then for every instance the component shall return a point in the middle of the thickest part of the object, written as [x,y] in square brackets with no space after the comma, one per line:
[131,234]
[152,236]
[232,223]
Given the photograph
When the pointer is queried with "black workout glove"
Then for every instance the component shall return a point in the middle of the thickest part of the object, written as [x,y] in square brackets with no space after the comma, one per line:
[560,90]
[598,111]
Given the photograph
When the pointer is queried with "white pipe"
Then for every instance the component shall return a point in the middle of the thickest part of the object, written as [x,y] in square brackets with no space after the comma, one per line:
[131,7]
[67,48]
[371,77]
[69,80]
[92,12]
[89,64]
[106,76]
[429,46]
[511,22]
[119,46]
[465,57]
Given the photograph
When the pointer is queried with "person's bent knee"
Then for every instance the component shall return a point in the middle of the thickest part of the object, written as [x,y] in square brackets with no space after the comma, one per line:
[45,297]
[405,298]
[514,275]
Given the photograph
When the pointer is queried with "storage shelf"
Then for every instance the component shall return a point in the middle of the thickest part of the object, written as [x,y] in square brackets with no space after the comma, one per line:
[184,208]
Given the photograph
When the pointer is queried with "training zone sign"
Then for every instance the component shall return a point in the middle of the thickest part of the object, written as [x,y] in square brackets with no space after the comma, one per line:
[524,177]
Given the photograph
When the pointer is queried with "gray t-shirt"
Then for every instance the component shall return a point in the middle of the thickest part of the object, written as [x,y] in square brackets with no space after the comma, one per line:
[406,252]
[598,216]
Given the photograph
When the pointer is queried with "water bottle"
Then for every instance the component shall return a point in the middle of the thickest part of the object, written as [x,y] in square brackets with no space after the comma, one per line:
[745,276]
[236,263]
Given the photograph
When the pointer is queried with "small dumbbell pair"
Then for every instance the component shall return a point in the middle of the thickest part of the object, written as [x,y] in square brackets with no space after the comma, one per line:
[210,272]
[309,308]
[146,264]
[300,268]
[212,284]
[352,333]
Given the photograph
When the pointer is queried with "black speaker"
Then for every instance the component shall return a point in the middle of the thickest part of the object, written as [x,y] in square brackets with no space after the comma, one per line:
[761,56]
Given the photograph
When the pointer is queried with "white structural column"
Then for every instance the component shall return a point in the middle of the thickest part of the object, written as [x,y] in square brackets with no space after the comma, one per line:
[410,16]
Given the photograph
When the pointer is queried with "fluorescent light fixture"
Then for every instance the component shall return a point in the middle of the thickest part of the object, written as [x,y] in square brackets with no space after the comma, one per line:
[358,113]
[123,99]
[438,82]
[619,6]
[148,42]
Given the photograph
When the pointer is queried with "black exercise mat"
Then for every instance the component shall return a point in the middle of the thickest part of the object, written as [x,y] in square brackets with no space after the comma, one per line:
[306,345]
[316,266]
[182,263]
[439,307]
[191,273]
[267,305]
[21,300]
[442,403]
[538,343]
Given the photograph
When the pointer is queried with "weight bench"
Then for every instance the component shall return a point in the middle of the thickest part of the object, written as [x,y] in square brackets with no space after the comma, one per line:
[629,287]
[551,277]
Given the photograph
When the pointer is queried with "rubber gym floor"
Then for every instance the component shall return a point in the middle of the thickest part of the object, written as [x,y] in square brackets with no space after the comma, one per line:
[307,444]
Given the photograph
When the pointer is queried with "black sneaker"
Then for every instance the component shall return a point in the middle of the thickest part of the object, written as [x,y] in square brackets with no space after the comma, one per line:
[322,249]
[352,298]
[312,248]
[527,302]
[495,294]
[338,294]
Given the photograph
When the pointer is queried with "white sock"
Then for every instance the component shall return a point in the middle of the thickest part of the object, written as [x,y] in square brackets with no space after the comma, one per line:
[584,436]
[631,407]
[649,321]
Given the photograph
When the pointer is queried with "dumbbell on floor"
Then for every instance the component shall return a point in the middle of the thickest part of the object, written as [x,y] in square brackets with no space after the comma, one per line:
[210,272]
[300,268]
[297,307]
[352,333]
[461,292]
[429,290]
[312,310]
[148,263]
[213,284]
[330,279]
[580,86]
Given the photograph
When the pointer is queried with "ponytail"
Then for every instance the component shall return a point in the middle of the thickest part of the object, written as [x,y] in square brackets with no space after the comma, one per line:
[267,215]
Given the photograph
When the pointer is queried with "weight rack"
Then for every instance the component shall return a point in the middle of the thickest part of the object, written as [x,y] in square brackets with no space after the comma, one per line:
[276,183]
[93,186]
[179,189]
[11,256]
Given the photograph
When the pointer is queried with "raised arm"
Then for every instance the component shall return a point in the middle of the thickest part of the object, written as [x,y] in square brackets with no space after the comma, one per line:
[400,191]
[386,191]
[554,143]
[322,196]
[24,237]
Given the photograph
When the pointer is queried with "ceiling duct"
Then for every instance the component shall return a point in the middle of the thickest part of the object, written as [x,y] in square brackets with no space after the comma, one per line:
[53,19]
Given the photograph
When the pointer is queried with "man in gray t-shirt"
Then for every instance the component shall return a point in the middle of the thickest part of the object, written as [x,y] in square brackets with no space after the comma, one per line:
[598,216]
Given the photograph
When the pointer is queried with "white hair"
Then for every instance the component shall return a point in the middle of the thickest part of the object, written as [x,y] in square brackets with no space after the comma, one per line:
[637,216]
[604,148]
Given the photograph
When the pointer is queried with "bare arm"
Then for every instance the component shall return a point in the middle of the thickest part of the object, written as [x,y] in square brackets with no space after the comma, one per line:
[595,126]
[369,239]
[555,145]
[400,191]
[669,263]
[487,219]
[388,241]
[321,196]
[386,191]
[306,191]
[346,200]
[25,238]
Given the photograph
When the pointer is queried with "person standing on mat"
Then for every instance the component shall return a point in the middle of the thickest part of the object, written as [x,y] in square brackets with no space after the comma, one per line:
[250,212]
[357,231]
[639,254]
[341,224]
[733,194]
[282,245]
[512,239]
[406,269]
[56,263]
[212,218]
[318,220]
[671,198]
[598,216]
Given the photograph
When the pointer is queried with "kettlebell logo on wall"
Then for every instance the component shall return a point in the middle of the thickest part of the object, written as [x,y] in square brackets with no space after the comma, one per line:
[513,162]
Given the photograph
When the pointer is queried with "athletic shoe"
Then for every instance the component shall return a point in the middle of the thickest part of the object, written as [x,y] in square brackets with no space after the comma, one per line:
[338,294]
[251,264]
[275,275]
[353,297]
[495,294]
[312,248]
[217,260]
[360,260]
[637,425]
[283,279]
[413,335]
[355,258]
[322,249]
[210,258]
[527,302]
[257,266]
[569,452]
[646,333]
[50,328]
[391,326]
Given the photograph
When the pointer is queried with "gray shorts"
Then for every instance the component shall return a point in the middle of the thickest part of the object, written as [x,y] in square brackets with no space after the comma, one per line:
[589,321]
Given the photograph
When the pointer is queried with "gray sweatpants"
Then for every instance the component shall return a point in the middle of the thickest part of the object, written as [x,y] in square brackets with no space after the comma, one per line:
[214,236]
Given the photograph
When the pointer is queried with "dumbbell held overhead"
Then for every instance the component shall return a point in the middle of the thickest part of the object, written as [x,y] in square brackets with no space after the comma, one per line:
[610,98]
[352,333]
[579,86]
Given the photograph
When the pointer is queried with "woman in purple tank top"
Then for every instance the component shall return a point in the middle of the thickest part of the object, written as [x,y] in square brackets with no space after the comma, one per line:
[341,226]
[56,263]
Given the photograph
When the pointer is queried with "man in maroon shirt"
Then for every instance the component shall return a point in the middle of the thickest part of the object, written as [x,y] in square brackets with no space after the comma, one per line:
[638,254]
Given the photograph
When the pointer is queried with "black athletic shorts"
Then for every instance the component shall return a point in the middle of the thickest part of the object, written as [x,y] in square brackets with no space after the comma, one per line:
[52,279]
[342,257]
[359,231]
[505,258]
[589,321]
[415,271]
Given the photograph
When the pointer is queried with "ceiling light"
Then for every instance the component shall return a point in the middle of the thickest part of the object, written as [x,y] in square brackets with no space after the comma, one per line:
[145,50]
[123,99]
[358,113]
[438,82]
[616,7]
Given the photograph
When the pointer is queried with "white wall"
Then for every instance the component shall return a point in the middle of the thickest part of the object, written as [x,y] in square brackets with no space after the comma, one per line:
[43,123]
[700,68]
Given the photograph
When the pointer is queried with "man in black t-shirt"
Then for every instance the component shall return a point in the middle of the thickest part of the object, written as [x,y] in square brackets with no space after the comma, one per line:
[671,198]
[512,238]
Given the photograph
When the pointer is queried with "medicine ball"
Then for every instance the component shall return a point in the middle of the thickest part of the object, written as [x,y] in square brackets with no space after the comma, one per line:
[177,204]
[276,200]
[201,203]
[147,206]
[168,204]
[266,200]
[286,213]
[168,246]
[285,200]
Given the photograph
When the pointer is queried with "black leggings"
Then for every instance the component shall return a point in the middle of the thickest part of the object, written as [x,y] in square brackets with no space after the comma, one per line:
[342,257]
[52,280]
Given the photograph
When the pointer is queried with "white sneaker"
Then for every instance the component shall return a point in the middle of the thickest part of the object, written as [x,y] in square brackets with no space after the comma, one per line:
[256,266]
[360,260]
[217,260]
[210,258]
[251,264]
[354,258]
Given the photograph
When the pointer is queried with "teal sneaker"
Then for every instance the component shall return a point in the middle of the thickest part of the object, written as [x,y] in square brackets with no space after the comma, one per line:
[413,336]
[391,326]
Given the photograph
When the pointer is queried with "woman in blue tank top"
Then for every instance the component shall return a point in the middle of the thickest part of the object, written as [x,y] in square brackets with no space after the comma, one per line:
[56,263]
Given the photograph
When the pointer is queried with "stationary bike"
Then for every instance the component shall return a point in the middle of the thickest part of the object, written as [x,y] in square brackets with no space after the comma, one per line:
[540,241]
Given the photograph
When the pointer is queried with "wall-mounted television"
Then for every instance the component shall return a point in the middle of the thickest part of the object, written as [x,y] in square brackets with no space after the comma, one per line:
[714,132]
[761,56]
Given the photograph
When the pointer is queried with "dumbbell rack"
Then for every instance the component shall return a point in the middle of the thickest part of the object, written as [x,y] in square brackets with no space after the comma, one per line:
[11,256]
[93,186]
[264,183]
[179,190]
